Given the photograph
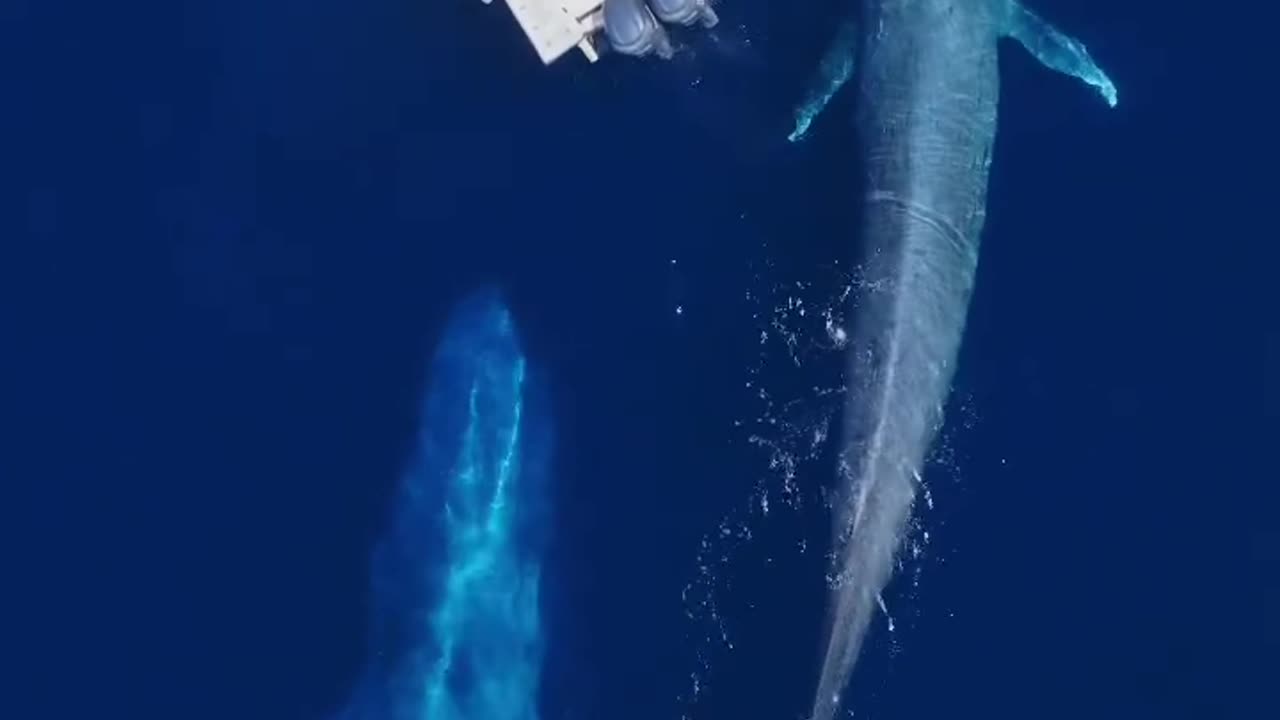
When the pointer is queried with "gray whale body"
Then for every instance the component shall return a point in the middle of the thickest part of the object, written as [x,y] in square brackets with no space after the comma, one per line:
[928,82]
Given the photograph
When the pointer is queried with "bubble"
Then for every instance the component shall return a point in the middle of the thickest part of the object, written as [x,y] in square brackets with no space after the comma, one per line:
[795,387]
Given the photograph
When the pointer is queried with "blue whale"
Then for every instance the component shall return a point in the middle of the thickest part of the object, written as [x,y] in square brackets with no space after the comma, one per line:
[927,81]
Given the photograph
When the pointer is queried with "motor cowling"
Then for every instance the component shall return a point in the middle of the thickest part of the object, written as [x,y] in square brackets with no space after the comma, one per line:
[631,29]
[684,12]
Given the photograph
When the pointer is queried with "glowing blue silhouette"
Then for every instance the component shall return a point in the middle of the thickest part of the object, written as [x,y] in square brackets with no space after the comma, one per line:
[456,625]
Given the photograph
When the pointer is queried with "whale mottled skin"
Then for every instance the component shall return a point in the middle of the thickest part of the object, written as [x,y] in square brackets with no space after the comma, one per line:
[927,81]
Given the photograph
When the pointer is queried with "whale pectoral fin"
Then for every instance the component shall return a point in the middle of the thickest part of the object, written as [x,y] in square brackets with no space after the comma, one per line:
[833,72]
[1056,50]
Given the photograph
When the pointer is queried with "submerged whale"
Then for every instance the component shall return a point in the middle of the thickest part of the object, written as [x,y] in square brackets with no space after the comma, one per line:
[927,77]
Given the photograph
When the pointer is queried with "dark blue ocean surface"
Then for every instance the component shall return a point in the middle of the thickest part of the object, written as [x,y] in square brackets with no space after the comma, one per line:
[233,236]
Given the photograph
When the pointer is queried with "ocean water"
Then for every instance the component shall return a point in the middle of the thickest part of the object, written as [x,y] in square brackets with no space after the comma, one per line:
[236,235]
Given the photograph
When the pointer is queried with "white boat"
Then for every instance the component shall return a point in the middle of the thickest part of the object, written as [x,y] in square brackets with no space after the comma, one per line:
[630,27]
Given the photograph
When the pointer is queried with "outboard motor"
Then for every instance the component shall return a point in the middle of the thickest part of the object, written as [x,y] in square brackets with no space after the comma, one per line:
[685,12]
[632,30]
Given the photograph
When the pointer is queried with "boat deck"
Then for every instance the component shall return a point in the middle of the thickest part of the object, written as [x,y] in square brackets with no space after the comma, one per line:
[554,27]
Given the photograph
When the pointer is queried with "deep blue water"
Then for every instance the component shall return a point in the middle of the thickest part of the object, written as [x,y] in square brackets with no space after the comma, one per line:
[237,232]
